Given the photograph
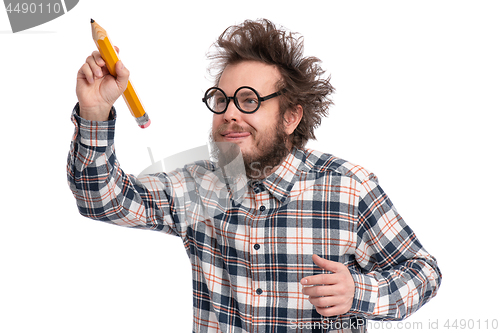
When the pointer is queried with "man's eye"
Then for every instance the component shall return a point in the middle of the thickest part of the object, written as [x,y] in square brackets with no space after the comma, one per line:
[250,101]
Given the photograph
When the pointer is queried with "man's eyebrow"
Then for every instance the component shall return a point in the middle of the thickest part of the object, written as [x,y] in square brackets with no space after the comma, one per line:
[246,92]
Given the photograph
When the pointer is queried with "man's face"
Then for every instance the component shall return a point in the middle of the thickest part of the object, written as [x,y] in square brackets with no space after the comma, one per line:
[261,135]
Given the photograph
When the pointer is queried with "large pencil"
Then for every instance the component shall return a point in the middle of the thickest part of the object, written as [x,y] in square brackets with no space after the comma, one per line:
[108,53]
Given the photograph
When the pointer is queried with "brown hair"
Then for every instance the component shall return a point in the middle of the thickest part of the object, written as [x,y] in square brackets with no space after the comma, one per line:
[301,82]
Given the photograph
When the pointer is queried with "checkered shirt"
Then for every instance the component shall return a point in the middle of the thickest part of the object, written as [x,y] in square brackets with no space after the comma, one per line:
[250,243]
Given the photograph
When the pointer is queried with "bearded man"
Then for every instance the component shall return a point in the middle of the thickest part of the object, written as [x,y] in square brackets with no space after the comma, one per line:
[291,239]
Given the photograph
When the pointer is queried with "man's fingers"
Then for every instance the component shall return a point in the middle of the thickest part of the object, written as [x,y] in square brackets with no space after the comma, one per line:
[322,302]
[330,305]
[98,59]
[317,291]
[86,73]
[327,290]
[327,301]
[320,279]
[95,64]
[331,311]
[331,293]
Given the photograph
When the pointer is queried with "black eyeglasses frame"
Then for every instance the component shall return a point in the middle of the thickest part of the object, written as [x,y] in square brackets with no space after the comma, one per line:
[228,99]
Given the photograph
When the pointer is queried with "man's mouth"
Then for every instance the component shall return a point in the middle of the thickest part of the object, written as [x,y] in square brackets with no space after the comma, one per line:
[233,135]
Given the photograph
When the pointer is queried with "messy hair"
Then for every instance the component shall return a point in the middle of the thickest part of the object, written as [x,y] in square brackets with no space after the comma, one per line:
[301,77]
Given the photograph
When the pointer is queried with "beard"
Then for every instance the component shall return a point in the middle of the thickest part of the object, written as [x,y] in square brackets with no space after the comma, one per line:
[269,151]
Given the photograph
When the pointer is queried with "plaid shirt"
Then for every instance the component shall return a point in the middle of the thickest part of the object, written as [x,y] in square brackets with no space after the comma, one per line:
[251,243]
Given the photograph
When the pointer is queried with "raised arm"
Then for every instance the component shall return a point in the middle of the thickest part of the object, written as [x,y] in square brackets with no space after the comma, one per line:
[103,191]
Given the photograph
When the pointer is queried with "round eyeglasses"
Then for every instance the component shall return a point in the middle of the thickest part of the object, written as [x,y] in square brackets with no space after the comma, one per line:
[246,99]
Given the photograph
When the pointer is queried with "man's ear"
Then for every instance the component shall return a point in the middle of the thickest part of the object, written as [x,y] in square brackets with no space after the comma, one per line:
[292,118]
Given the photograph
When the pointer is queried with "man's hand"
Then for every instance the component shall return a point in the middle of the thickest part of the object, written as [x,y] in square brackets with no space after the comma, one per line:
[96,89]
[331,294]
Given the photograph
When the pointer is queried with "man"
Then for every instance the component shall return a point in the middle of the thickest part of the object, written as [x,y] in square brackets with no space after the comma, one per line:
[297,240]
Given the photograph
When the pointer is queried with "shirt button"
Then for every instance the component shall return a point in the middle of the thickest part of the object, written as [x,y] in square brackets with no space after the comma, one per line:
[256,246]
[258,291]
[262,208]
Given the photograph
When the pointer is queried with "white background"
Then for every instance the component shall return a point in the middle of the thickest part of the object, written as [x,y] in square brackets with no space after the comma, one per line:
[416,102]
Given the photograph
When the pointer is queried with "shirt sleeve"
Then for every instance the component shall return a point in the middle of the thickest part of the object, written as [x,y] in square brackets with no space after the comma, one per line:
[396,276]
[104,192]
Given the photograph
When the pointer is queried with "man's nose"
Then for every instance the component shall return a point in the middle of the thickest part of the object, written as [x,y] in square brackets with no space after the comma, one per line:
[232,113]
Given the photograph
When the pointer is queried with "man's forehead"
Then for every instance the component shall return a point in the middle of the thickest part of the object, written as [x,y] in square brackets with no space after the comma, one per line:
[258,75]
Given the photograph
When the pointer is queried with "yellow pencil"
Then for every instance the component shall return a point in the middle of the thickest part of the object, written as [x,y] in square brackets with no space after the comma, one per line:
[108,53]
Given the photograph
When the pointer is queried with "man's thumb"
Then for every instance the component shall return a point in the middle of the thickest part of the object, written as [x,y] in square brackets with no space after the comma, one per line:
[324,263]
[122,74]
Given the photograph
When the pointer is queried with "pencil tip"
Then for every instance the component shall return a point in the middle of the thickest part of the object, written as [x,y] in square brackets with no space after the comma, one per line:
[92,21]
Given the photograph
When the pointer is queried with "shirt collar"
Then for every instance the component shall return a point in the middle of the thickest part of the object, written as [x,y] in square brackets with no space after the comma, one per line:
[280,182]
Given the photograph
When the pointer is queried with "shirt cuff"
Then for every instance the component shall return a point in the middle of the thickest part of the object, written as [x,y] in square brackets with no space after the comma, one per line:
[94,133]
[365,293]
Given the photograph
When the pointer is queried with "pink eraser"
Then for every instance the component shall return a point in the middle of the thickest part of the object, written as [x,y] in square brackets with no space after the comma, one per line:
[146,124]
